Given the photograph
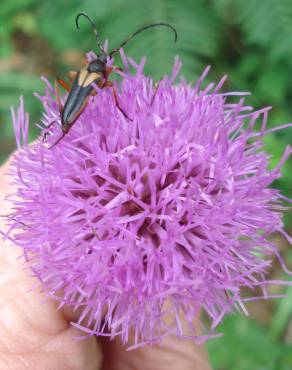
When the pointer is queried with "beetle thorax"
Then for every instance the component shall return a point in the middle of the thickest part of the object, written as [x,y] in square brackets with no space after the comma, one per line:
[95,71]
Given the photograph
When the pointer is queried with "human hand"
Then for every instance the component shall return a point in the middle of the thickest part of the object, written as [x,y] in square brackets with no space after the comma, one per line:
[34,335]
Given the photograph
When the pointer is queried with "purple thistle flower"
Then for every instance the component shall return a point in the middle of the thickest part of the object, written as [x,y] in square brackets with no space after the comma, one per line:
[141,222]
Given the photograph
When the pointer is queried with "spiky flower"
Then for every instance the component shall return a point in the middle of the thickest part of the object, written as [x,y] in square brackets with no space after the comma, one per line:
[142,222]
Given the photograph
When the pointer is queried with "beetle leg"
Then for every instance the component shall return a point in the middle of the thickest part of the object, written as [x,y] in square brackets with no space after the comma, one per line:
[64,84]
[60,138]
[110,84]
[58,96]
[108,70]
[117,68]
[47,133]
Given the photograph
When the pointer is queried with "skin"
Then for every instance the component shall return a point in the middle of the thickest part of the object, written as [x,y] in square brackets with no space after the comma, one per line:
[34,335]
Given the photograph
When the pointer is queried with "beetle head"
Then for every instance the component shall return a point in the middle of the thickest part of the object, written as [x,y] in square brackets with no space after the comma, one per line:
[98,65]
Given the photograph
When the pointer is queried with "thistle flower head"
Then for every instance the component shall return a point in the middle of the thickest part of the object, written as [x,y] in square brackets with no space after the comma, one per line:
[142,222]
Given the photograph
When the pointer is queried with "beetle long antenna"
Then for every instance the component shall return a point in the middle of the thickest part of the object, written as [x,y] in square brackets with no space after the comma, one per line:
[92,25]
[141,30]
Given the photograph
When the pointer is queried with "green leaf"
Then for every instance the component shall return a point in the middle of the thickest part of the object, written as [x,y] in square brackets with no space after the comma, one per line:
[244,346]
[282,316]
[268,24]
[272,84]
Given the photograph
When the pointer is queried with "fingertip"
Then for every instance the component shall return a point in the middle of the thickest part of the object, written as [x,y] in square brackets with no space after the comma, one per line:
[172,354]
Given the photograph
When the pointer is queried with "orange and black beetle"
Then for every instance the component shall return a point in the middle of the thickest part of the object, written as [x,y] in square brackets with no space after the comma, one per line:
[95,72]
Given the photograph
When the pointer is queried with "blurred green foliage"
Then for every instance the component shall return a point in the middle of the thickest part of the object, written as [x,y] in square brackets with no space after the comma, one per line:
[250,40]
[248,346]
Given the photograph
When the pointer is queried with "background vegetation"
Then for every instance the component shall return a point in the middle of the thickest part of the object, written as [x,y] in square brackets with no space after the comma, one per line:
[250,40]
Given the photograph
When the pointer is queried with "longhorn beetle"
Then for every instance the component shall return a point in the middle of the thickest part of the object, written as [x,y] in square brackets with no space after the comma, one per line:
[94,72]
